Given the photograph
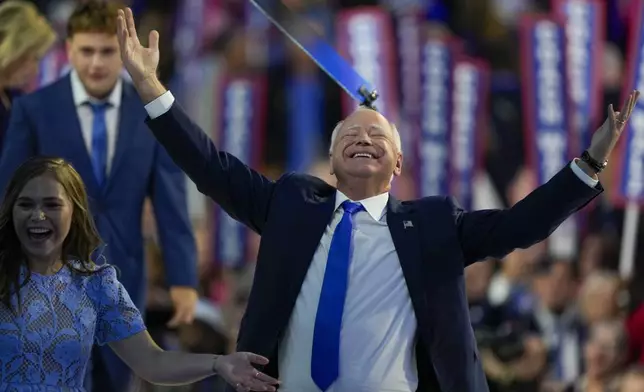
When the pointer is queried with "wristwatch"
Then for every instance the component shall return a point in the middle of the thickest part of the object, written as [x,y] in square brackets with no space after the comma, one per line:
[593,163]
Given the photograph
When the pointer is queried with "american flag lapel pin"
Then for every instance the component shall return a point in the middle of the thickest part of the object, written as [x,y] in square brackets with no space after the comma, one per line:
[407,224]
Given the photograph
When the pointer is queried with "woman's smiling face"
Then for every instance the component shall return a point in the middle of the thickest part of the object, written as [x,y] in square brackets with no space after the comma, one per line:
[42,216]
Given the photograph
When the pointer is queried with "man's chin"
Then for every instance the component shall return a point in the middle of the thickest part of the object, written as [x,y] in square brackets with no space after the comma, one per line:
[364,173]
[99,89]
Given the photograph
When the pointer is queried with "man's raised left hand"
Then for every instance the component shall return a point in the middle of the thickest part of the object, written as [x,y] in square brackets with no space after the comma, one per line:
[606,137]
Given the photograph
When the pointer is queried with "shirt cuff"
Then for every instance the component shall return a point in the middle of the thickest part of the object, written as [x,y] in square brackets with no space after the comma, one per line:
[591,182]
[160,106]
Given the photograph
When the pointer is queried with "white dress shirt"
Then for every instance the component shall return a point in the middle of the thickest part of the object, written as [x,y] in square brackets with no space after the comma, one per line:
[378,326]
[378,334]
[86,115]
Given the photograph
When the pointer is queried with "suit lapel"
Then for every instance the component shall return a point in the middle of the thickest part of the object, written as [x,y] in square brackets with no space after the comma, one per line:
[405,234]
[72,135]
[316,219]
[129,120]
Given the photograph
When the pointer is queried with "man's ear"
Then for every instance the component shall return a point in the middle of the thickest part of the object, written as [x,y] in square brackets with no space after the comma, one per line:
[331,172]
[398,167]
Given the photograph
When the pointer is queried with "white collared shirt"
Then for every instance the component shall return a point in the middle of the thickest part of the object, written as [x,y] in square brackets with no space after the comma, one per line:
[378,335]
[86,116]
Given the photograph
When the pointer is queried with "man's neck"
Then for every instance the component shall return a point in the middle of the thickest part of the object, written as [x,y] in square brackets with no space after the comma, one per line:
[359,189]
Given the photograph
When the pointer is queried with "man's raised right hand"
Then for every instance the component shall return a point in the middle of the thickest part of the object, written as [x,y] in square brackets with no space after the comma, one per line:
[140,62]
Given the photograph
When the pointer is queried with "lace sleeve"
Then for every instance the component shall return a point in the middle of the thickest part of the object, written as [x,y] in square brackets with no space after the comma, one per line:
[117,318]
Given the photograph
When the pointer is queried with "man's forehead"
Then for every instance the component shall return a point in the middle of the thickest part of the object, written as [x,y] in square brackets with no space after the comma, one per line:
[363,117]
[95,39]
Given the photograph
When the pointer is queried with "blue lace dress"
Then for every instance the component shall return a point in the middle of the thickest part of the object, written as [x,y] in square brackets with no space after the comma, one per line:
[46,347]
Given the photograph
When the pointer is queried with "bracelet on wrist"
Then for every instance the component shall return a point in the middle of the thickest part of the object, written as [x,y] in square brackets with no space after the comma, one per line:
[594,164]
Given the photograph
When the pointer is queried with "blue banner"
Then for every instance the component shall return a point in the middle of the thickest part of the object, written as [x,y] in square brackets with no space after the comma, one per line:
[240,135]
[545,97]
[305,96]
[546,111]
[585,33]
[469,116]
[630,173]
[437,57]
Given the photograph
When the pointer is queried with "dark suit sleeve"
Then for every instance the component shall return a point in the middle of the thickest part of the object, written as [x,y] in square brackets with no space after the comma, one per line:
[168,193]
[495,233]
[241,191]
[19,142]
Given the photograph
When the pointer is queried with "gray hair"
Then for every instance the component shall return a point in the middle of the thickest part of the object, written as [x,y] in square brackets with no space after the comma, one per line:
[394,131]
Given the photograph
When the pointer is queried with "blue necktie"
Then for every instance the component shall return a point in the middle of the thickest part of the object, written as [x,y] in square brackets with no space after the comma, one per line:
[325,366]
[99,141]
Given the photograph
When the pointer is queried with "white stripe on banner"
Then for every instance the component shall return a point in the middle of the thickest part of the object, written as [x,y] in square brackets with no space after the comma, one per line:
[546,106]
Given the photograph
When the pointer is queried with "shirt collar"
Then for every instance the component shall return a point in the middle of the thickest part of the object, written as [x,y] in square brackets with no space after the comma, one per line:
[81,97]
[374,205]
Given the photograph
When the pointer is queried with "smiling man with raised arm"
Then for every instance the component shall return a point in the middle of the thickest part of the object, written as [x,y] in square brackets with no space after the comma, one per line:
[354,290]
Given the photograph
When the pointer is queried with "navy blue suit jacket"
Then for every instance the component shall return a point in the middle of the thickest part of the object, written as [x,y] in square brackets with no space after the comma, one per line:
[46,123]
[292,213]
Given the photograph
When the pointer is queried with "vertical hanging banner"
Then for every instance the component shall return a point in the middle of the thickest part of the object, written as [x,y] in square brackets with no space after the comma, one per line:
[241,134]
[408,34]
[546,111]
[187,43]
[365,38]
[437,58]
[305,97]
[471,88]
[585,34]
[629,172]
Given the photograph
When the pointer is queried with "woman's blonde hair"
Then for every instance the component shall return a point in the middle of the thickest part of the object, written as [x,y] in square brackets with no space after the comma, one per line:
[23,30]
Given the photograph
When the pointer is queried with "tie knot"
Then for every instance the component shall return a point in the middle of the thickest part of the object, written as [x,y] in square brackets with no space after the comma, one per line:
[98,107]
[351,207]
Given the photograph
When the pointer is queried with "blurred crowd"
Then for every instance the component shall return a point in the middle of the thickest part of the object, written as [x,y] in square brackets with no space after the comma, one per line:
[543,323]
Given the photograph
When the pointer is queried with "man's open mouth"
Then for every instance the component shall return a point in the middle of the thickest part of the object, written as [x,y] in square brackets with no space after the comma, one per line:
[38,233]
[362,155]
